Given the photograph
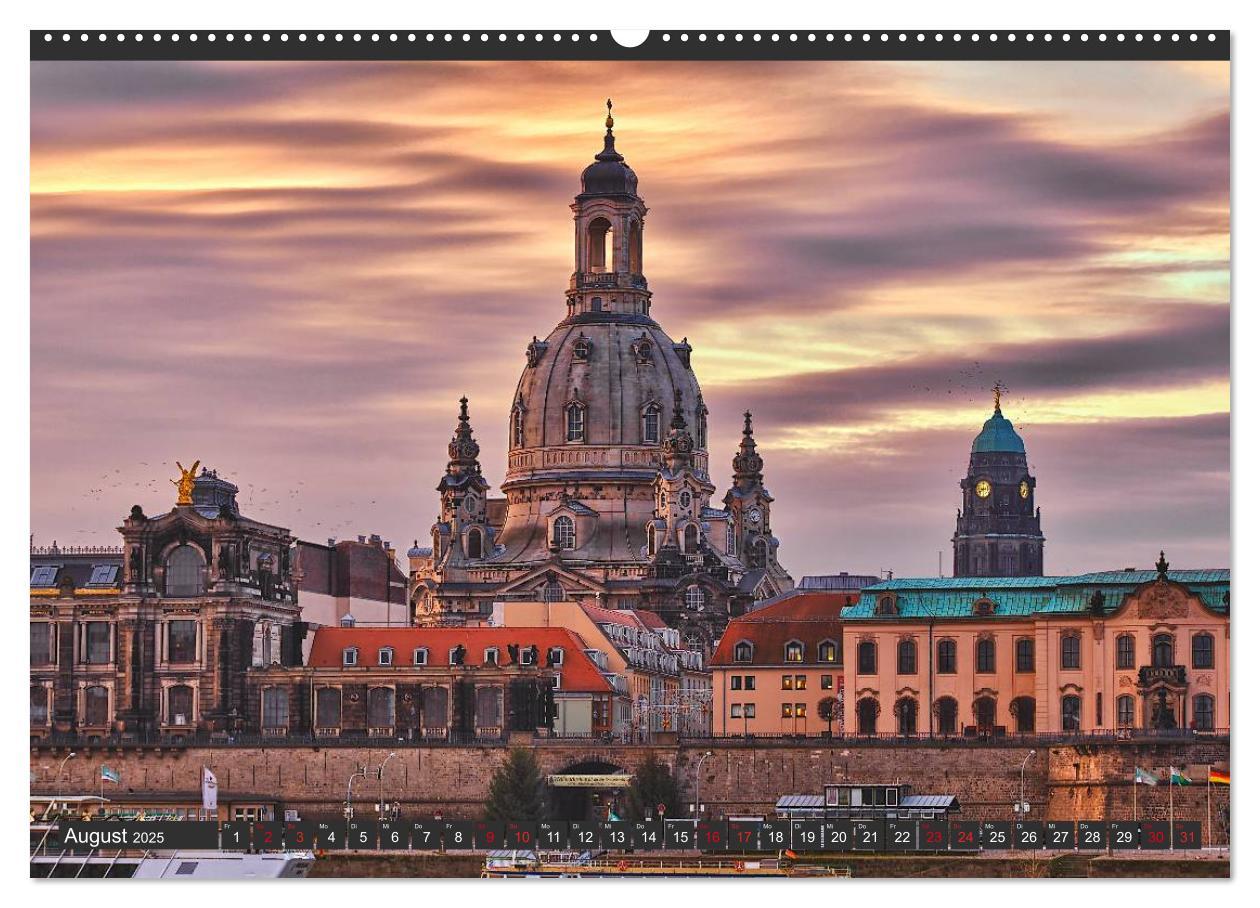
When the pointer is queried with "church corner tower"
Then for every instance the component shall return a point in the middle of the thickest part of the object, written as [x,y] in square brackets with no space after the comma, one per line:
[607,494]
[999,525]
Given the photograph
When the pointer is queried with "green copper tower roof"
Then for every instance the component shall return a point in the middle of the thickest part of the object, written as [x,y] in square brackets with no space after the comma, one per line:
[997,436]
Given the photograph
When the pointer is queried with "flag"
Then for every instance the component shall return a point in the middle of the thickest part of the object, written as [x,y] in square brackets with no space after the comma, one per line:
[1177,777]
[1143,777]
[209,790]
[109,775]
[1216,777]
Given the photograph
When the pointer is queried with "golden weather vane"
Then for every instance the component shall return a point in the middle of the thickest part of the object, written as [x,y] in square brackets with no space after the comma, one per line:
[185,482]
[608,123]
[997,395]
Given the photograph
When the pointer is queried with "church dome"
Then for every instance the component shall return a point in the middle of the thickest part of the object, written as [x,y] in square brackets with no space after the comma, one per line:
[610,174]
[998,436]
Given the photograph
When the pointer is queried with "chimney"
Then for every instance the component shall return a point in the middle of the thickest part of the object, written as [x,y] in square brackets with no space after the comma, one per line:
[362,539]
[332,543]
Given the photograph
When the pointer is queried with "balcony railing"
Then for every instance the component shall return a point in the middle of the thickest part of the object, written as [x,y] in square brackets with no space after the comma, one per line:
[1165,674]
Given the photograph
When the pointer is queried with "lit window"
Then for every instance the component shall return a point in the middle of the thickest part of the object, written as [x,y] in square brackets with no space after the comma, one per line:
[794,652]
[787,682]
[800,682]
[828,651]
[828,682]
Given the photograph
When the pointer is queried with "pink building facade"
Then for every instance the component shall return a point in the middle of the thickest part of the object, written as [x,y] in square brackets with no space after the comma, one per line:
[1121,651]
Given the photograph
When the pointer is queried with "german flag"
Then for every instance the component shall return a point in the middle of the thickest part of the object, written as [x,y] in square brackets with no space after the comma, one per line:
[1216,777]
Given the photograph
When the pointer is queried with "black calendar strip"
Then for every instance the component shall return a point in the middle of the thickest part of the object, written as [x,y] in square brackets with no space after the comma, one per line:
[739,835]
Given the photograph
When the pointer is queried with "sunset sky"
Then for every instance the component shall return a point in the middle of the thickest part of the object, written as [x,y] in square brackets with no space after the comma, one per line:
[292,271]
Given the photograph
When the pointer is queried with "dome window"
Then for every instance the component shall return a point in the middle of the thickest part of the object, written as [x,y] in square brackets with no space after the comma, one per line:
[575,422]
[642,349]
[652,424]
[564,533]
[582,348]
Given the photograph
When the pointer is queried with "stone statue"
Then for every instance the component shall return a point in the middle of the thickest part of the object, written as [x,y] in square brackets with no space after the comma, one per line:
[185,482]
[137,565]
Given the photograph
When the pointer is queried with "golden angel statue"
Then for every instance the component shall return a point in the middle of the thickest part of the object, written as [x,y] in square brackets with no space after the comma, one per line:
[185,482]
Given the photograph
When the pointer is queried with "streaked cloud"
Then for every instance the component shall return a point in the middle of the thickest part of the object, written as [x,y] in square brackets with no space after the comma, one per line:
[292,271]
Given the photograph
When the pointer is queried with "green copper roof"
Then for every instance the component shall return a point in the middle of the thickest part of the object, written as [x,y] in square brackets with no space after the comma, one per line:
[997,436]
[954,597]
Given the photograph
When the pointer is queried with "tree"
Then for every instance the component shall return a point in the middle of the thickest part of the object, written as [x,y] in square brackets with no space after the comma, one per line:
[829,711]
[653,784]
[516,789]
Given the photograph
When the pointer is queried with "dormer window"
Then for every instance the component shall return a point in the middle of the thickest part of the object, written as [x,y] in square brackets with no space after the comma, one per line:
[491,656]
[350,656]
[385,656]
[555,655]
[794,651]
[983,606]
[528,656]
[564,533]
[44,575]
[103,575]
[420,656]
[828,651]
[886,605]
[743,651]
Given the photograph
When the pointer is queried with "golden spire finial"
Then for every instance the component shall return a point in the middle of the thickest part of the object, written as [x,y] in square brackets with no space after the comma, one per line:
[185,483]
[608,123]
[997,396]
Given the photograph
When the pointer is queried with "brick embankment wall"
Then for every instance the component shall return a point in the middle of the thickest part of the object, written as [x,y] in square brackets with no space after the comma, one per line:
[1082,782]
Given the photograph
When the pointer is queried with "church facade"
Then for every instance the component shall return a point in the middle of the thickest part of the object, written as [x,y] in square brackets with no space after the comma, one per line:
[608,493]
[998,532]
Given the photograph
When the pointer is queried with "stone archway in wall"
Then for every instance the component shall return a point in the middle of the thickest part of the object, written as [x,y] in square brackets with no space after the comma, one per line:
[587,790]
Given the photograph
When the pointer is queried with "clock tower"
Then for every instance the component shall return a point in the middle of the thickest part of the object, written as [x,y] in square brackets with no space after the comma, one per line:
[999,525]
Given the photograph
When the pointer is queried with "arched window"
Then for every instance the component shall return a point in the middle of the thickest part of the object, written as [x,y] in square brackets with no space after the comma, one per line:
[886,605]
[518,427]
[275,707]
[575,422]
[730,538]
[636,248]
[96,705]
[794,651]
[651,540]
[743,651]
[1203,651]
[947,657]
[985,709]
[695,598]
[651,424]
[907,716]
[1070,651]
[179,705]
[599,245]
[185,572]
[39,704]
[1162,651]
[1126,652]
[564,533]
[1070,709]
[866,657]
[947,716]
[907,658]
[1024,709]
[867,712]
[328,707]
[828,651]
[691,539]
[702,428]
[1025,655]
[1204,713]
[381,707]
[983,606]
[986,656]
[553,592]
[474,543]
[1125,711]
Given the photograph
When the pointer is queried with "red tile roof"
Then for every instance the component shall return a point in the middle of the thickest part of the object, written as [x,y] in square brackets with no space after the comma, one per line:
[651,619]
[808,617]
[578,673]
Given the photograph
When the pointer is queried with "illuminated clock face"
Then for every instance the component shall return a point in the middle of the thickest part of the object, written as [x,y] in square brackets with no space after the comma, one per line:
[1023,489]
[983,489]
[754,515]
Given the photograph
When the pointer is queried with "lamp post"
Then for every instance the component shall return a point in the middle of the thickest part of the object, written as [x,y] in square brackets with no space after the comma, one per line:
[699,764]
[57,778]
[380,775]
[360,773]
[1021,809]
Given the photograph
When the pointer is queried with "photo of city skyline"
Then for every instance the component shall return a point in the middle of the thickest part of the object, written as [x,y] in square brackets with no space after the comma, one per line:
[293,271]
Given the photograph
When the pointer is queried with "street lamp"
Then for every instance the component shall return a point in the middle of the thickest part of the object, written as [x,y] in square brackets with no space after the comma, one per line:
[360,773]
[57,778]
[700,763]
[380,775]
[1021,809]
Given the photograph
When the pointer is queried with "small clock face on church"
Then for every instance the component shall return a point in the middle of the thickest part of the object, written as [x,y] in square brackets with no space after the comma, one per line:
[754,515]
[1023,489]
[983,489]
